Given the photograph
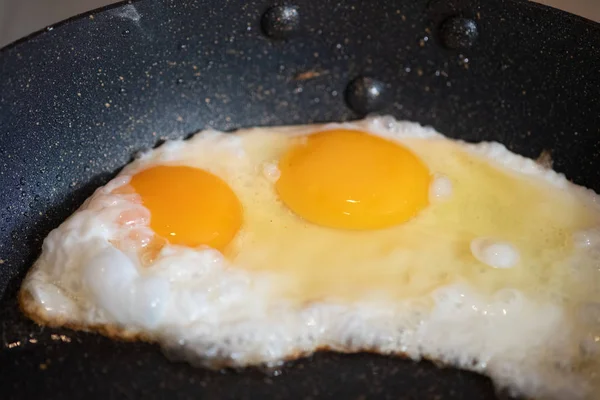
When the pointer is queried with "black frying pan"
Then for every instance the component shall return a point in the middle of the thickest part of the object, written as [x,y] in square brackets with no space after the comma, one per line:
[77,101]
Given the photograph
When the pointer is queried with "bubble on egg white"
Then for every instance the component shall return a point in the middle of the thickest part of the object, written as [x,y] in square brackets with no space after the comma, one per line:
[271,171]
[440,189]
[494,253]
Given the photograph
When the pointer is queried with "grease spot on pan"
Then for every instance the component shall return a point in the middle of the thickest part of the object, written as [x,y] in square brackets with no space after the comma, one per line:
[281,22]
[458,33]
[365,95]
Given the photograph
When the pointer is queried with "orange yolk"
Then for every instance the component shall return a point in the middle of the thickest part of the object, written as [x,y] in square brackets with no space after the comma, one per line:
[189,206]
[352,180]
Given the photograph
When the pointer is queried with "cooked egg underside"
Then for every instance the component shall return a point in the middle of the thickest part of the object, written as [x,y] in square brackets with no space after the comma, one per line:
[285,287]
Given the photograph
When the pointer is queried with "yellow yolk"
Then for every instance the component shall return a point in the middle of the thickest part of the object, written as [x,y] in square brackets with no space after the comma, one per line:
[189,206]
[352,180]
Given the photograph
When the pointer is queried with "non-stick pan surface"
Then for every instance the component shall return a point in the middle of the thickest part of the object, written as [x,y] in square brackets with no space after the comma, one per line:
[78,100]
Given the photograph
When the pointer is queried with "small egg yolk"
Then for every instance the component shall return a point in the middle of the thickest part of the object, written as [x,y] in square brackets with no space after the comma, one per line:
[350,179]
[189,206]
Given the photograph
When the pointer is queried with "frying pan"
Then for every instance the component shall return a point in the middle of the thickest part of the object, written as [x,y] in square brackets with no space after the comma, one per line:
[79,99]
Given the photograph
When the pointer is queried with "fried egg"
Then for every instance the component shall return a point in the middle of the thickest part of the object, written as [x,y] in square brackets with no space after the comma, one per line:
[268,244]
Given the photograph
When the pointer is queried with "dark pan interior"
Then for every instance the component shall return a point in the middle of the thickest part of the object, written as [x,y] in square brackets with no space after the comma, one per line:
[78,100]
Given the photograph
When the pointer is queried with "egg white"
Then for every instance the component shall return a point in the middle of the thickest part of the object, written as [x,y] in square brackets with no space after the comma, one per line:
[198,305]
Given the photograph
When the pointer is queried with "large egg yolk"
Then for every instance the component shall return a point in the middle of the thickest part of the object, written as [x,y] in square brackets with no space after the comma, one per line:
[352,180]
[189,206]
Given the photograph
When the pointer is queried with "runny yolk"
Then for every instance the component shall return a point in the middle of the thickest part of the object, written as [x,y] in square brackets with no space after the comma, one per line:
[350,179]
[189,206]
